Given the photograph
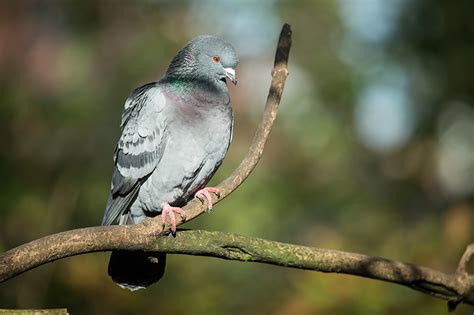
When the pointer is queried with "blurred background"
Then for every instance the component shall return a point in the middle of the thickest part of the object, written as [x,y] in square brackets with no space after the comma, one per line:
[372,152]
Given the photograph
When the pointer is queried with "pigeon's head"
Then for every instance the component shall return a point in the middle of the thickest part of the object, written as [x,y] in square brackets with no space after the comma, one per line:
[205,58]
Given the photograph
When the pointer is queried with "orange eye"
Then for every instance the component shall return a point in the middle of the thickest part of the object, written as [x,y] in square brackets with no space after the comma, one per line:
[216,58]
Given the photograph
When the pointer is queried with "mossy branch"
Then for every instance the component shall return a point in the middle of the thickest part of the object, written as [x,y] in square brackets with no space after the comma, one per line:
[457,287]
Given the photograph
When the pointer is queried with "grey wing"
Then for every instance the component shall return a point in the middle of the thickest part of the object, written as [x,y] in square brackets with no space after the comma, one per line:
[139,148]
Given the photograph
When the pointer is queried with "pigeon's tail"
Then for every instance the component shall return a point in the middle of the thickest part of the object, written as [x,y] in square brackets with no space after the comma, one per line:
[136,270]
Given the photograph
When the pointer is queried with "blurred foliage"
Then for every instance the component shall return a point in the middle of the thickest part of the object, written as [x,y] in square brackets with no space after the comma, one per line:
[67,67]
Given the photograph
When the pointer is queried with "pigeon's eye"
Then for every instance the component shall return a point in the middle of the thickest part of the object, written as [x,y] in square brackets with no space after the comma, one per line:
[216,58]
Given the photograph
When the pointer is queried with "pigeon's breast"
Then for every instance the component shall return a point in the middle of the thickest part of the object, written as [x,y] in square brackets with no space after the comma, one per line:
[197,141]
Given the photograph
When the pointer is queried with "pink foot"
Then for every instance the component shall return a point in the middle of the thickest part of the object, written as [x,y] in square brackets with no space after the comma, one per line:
[168,210]
[205,194]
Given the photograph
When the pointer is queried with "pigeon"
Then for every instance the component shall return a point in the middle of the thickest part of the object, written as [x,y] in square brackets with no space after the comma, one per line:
[175,134]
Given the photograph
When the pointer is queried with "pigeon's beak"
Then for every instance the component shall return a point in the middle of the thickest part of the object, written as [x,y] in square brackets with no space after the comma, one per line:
[230,73]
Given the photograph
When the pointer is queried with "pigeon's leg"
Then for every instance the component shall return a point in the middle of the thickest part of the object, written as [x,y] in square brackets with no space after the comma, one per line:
[169,211]
[205,194]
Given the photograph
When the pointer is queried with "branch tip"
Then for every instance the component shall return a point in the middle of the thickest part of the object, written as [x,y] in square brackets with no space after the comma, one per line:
[466,257]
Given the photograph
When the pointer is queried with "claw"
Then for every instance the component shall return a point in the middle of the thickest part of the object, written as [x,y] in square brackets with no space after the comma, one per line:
[205,194]
[168,210]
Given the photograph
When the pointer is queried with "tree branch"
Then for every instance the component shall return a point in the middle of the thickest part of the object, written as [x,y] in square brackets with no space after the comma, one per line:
[456,288]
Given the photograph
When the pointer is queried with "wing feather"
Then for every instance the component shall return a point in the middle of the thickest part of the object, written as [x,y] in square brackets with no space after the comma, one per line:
[139,148]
